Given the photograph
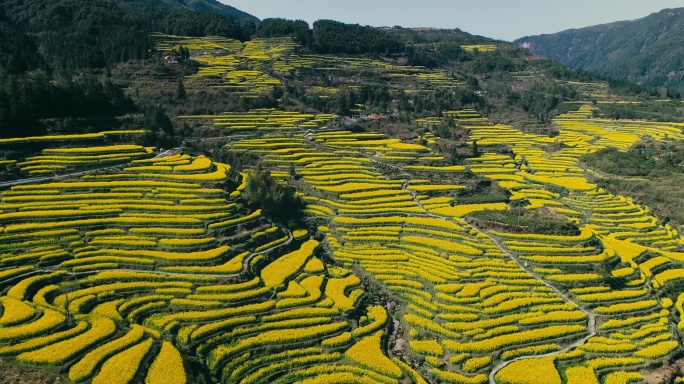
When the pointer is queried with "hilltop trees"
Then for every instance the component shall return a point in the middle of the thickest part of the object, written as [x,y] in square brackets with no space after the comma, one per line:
[297,29]
[335,37]
[277,200]
[77,34]
[24,100]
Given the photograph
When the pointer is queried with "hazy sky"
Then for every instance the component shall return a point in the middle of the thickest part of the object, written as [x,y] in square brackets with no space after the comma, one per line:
[500,19]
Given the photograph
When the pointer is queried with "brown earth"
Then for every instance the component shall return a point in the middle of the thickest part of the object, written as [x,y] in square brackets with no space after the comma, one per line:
[662,375]
[15,374]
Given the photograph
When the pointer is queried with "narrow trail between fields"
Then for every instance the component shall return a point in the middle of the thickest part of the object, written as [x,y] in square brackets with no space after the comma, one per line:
[592,319]
[56,177]
[248,259]
[590,316]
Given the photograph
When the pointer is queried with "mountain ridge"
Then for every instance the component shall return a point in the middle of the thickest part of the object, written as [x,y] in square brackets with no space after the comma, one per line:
[646,51]
[211,6]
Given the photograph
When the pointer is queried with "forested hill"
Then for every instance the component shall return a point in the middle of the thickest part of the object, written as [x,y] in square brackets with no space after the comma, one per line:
[76,34]
[52,52]
[57,58]
[210,6]
[647,51]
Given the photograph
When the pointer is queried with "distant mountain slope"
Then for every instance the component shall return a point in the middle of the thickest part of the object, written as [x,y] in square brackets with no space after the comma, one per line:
[77,34]
[649,51]
[211,6]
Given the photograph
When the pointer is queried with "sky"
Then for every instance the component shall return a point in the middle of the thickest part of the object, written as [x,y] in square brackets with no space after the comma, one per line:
[499,19]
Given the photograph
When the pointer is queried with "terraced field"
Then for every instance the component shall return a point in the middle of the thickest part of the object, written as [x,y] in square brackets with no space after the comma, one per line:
[254,68]
[121,276]
[265,120]
[153,268]
[61,159]
[157,271]
[479,305]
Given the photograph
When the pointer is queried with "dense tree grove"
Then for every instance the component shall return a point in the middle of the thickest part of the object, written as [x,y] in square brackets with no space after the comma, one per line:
[328,36]
[45,44]
[79,34]
[18,52]
[434,55]
[74,34]
[663,111]
[297,29]
[182,22]
[521,220]
[24,100]
[335,37]
[646,158]
[541,99]
[278,201]
[496,61]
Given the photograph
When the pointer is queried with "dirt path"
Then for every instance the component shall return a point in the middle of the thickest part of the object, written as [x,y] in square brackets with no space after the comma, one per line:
[16,374]
[248,259]
[592,319]
[590,316]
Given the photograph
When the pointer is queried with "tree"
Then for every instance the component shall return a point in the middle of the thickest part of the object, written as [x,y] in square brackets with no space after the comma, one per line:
[297,29]
[342,104]
[476,150]
[335,37]
[277,200]
[183,53]
[155,118]
[180,90]
[249,27]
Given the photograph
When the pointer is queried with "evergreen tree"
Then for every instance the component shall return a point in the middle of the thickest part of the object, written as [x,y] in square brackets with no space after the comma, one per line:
[476,150]
[180,90]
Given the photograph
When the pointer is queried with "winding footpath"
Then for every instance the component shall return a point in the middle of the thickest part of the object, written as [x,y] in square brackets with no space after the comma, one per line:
[248,259]
[592,318]
[36,180]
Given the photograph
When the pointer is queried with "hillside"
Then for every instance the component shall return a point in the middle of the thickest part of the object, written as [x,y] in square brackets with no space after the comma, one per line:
[210,6]
[647,51]
[53,54]
[332,203]
[78,34]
